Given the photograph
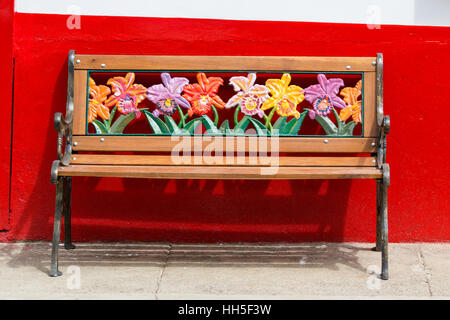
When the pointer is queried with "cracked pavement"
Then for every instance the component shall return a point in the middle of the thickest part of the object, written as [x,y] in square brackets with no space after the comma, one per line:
[225,271]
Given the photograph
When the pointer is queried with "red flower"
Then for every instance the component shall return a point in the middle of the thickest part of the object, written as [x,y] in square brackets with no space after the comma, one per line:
[203,94]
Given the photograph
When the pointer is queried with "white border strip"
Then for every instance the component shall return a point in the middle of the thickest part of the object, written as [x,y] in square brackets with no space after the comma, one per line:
[371,12]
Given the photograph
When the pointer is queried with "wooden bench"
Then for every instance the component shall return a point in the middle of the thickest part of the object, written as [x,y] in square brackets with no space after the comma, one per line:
[115,126]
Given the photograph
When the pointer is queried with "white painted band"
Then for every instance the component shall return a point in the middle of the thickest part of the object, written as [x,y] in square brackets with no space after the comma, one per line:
[371,12]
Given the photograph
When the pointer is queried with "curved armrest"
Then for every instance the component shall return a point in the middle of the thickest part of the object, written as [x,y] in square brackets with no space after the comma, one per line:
[64,130]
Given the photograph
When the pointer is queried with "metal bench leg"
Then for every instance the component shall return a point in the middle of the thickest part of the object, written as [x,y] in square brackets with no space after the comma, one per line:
[384,223]
[54,272]
[67,214]
[379,238]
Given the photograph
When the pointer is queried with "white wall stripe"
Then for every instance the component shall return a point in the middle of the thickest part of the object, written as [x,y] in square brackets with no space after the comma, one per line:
[372,12]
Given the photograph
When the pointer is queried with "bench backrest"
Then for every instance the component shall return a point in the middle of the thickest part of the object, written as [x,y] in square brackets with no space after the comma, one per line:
[304,73]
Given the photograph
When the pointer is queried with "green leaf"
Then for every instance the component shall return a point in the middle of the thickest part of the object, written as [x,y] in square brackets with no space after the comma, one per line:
[172,125]
[182,117]
[289,125]
[268,125]
[163,127]
[236,114]
[100,128]
[158,126]
[156,129]
[280,124]
[338,119]
[189,128]
[120,124]
[347,129]
[327,125]
[209,125]
[261,129]
[296,128]
[224,127]
[241,126]
[111,117]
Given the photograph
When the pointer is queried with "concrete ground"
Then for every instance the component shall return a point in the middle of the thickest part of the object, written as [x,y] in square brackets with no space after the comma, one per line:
[224,271]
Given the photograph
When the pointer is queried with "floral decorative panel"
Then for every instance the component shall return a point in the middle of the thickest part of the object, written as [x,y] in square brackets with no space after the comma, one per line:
[225,103]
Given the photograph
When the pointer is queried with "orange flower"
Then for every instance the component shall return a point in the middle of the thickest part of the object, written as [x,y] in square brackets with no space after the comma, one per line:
[127,95]
[353,108]
[203,94]
[97,95]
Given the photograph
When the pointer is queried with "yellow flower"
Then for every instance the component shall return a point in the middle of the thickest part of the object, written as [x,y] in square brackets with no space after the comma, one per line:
[353,108]
[284,97]
[97,95]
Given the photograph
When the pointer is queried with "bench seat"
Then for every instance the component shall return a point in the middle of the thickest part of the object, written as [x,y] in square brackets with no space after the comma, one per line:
[219,172]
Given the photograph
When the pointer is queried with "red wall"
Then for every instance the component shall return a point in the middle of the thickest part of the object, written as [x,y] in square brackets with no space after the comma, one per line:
[6,72]
[417,65]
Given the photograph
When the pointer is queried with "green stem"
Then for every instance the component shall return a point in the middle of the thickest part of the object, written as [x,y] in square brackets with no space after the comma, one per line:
[265,117]
[338,120]
[269,118]
[108,122]
[182,118]
[236,114]
[216,115]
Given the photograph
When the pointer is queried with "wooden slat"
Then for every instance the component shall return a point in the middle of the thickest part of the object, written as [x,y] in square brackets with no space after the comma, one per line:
[160,160]
[247,63]
[166,144]
[79,101]
[370,125]
[223,172]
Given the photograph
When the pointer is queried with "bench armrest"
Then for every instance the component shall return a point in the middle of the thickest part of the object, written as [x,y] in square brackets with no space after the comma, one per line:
[383,130]
[63,125]
[64,129]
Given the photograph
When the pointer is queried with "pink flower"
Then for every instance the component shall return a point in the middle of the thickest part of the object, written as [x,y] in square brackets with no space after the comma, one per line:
[323,96]
[249,96]
[167,96]
[127,95]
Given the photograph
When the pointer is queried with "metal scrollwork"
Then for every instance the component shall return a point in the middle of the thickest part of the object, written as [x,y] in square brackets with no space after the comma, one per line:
[63,125]
[384,122]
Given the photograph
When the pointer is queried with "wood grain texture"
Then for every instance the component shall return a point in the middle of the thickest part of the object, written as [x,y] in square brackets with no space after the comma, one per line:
[370,124]
[167,144]
[79,102]
[222,172]
[161,160]
[235,63]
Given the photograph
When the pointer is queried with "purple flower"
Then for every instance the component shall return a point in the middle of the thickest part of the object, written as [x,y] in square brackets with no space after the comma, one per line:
[167,96]
[323,96]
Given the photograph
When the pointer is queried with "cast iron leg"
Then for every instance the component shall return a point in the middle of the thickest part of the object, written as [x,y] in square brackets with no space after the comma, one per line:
[54,272]
[67,214]
[384,232]
[379,238]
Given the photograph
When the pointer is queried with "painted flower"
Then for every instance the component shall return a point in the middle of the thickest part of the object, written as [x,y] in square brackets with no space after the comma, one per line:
[323,96]
[167,96]
[203,94]
[353,108]
[284,97]
[97,95]
[249,95]
[127,95]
